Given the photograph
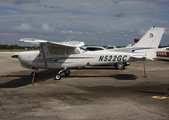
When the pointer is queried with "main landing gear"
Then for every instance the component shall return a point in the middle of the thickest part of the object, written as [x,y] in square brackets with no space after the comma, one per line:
[66,72]
[57,76]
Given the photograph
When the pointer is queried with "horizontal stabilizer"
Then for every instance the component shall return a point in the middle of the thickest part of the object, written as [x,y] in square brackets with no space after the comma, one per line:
[142,57]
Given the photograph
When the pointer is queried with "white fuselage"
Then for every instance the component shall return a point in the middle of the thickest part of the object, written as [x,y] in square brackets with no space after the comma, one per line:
[64,60]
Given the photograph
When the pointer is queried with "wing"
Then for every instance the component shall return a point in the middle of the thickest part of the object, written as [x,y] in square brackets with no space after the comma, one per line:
[43,43]
[32,41]
[64,44]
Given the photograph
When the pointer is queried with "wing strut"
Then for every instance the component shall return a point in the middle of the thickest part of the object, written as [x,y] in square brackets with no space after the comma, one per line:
[35,69]
[44,58]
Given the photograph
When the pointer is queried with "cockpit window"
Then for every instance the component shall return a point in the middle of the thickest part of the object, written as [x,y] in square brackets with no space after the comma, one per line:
[85,50]
[167,48]
[72,51]
[57,50]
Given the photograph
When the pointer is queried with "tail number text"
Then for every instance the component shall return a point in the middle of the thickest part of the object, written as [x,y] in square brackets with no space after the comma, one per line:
[113,58]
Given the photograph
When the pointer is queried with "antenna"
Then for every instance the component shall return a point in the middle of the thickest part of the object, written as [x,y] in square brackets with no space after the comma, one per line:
[71,38]
[68,38]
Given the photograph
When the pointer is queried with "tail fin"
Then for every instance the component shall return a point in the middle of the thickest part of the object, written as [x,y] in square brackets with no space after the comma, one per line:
[150,42]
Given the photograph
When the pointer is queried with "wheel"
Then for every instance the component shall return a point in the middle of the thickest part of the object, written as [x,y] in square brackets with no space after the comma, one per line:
[33,74]
[120,66]
[67,72]
[58,77]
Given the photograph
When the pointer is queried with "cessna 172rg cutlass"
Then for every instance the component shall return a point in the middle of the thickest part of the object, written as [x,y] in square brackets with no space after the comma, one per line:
[65,55]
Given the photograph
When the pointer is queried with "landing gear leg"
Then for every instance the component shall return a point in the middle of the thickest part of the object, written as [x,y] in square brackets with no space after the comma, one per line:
[67,72]
[58,76]
[144,70]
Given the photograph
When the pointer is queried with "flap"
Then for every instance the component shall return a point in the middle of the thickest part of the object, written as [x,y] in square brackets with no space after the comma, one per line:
[60,44]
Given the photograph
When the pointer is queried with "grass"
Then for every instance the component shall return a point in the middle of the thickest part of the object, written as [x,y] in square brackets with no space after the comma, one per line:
[13,50]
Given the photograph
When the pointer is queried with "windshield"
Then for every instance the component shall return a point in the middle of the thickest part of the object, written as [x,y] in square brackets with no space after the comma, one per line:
[83,49]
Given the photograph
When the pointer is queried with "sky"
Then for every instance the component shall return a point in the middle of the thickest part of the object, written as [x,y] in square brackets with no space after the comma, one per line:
[95,22]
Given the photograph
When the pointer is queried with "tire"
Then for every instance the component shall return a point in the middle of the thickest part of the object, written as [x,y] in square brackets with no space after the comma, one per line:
[67,72]
[33,74]
[120,66]
[58,77]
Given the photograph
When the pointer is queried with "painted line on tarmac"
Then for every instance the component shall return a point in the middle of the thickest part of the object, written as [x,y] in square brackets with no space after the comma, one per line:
[45,78]
[33,84]
[160,97]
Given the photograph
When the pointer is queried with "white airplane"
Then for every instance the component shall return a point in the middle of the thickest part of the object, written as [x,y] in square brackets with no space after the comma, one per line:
[65,55]
[163,52]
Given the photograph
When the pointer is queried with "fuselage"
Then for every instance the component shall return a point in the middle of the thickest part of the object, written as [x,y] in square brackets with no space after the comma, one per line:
[163,52]
[68,58]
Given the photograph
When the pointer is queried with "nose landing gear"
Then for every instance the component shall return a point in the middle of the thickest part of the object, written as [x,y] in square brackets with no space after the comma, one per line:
[65,70]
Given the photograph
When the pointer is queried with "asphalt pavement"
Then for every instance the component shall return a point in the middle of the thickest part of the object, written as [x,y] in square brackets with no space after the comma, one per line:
[93,93]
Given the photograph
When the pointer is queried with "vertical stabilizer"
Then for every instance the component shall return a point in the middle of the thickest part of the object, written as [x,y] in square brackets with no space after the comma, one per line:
[150,42]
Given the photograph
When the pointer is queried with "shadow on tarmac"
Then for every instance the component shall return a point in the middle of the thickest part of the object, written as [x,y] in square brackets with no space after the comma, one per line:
[155,93]
[118,76]
[165,60]
[23,80]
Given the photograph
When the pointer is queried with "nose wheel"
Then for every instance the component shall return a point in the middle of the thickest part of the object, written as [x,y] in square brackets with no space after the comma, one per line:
[58,77]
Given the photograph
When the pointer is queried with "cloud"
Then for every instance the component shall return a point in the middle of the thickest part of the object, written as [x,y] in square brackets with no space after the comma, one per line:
[51,19]
[116,2]
[120,15]
[70,32]
[18,2]
[8,11]
[8,34]
[46,27]
[24,27]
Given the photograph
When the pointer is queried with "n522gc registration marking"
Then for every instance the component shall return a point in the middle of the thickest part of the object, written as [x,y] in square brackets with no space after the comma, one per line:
[112,58]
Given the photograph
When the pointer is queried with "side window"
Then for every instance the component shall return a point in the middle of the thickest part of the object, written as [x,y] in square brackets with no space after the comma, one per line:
[72,51]
[91,49]
[57,50]
[99,48]
[45,48]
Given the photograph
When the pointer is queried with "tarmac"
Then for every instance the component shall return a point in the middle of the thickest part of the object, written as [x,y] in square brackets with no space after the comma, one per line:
[93,93]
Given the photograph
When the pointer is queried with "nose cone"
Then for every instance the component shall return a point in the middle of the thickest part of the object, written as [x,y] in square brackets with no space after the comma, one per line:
[27,58]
